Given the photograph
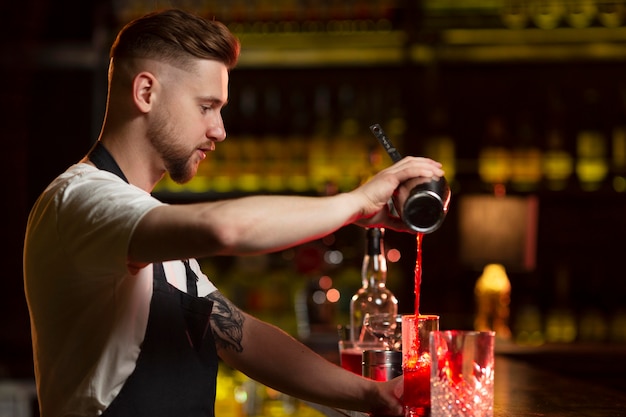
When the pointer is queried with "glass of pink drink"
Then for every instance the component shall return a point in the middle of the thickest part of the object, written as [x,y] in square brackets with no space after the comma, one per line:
[350,357]
[416,363]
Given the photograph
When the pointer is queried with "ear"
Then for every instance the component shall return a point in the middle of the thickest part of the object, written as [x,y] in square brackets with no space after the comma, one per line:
[144,86]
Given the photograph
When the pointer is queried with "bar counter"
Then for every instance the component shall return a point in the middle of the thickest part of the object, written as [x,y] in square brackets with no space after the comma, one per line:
[523,389]
[562,381]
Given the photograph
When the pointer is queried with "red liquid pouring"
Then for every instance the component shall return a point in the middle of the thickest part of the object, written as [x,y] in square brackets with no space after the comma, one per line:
[417,378]
[415,344]
[418,273]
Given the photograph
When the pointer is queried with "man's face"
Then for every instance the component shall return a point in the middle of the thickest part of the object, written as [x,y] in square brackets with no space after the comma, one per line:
[187,122]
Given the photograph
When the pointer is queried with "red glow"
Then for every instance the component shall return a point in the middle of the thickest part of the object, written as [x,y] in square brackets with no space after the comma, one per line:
[393,255]
[499,190]
[325,282]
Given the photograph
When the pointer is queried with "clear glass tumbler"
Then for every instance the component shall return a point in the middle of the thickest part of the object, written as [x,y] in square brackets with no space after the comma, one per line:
[462,373]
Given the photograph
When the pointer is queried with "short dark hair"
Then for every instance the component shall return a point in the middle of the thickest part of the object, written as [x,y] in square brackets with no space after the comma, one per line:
[176,37]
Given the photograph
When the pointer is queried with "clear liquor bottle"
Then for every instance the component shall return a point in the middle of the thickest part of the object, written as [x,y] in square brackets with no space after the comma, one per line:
[373,297]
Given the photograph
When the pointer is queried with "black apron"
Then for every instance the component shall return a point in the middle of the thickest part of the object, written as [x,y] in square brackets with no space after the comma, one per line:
[176,372]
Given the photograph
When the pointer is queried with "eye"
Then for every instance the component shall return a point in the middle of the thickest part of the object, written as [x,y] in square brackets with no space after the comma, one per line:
[205,108]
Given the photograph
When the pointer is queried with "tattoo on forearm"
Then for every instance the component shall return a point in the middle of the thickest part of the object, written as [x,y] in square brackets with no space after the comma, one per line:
[226,323]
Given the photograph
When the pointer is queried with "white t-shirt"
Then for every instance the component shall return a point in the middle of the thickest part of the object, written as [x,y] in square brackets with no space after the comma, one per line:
[88,312]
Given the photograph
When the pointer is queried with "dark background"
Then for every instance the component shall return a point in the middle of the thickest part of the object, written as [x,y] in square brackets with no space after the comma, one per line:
[51,114]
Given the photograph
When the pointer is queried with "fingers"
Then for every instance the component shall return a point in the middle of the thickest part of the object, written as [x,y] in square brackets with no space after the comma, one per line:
[393,392]
[386,220]
[381,187]
[427,167]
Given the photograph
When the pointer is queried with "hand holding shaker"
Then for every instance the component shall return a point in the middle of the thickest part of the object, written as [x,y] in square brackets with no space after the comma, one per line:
[422,203]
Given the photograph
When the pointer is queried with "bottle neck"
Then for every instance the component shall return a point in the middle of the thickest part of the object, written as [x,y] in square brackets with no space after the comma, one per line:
[374,296]
[374,271]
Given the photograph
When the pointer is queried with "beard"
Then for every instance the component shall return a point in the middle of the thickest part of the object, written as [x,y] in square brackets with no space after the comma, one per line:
[163,137]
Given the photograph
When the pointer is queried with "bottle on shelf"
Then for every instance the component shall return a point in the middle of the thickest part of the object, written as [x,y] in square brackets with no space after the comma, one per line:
[373,297]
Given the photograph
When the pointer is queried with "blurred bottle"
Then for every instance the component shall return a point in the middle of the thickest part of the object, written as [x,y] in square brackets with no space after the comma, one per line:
[561,326]
[557,159]
[618,146]
[494,158]
[373,297]
[592,166]
[440,143]
[526,156]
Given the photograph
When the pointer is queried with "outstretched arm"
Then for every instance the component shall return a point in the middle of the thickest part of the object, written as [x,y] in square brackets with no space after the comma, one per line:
[268,355]
[261,224]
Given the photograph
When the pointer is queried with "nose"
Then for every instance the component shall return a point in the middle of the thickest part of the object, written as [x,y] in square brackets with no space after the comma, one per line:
[216,131]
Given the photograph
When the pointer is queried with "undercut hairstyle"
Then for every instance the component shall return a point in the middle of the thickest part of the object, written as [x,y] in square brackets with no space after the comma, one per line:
[176,37]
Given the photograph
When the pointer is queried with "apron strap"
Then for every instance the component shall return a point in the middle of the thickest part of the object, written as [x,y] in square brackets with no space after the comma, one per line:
[102,159]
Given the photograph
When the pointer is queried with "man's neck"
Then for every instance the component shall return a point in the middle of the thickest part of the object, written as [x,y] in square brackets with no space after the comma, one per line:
[134,162]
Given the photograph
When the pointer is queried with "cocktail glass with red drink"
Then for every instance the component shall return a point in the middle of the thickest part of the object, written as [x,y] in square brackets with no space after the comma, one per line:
[350,356]
[416,362]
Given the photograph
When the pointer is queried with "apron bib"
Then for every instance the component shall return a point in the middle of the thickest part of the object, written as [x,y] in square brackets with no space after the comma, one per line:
[176,371]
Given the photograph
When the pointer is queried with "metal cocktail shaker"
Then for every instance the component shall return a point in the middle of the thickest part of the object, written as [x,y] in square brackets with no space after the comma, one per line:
[382,365]
[422,203]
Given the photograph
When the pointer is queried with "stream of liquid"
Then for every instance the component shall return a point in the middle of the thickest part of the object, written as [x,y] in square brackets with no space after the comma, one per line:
[418,273]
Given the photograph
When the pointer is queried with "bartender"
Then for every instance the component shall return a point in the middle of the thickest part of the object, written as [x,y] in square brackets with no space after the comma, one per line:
[124,322]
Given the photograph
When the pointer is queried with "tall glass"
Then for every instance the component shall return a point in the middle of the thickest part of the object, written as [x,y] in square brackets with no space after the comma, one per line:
[462,373]
[416,363]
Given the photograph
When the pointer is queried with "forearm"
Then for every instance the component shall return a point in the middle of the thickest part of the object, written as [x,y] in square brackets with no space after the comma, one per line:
[244,226]
[283,363]
[271,356]
[262,224]
[267,223]
[259,224]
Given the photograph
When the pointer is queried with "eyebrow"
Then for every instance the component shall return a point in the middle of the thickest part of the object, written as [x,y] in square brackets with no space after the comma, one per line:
[213,100]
